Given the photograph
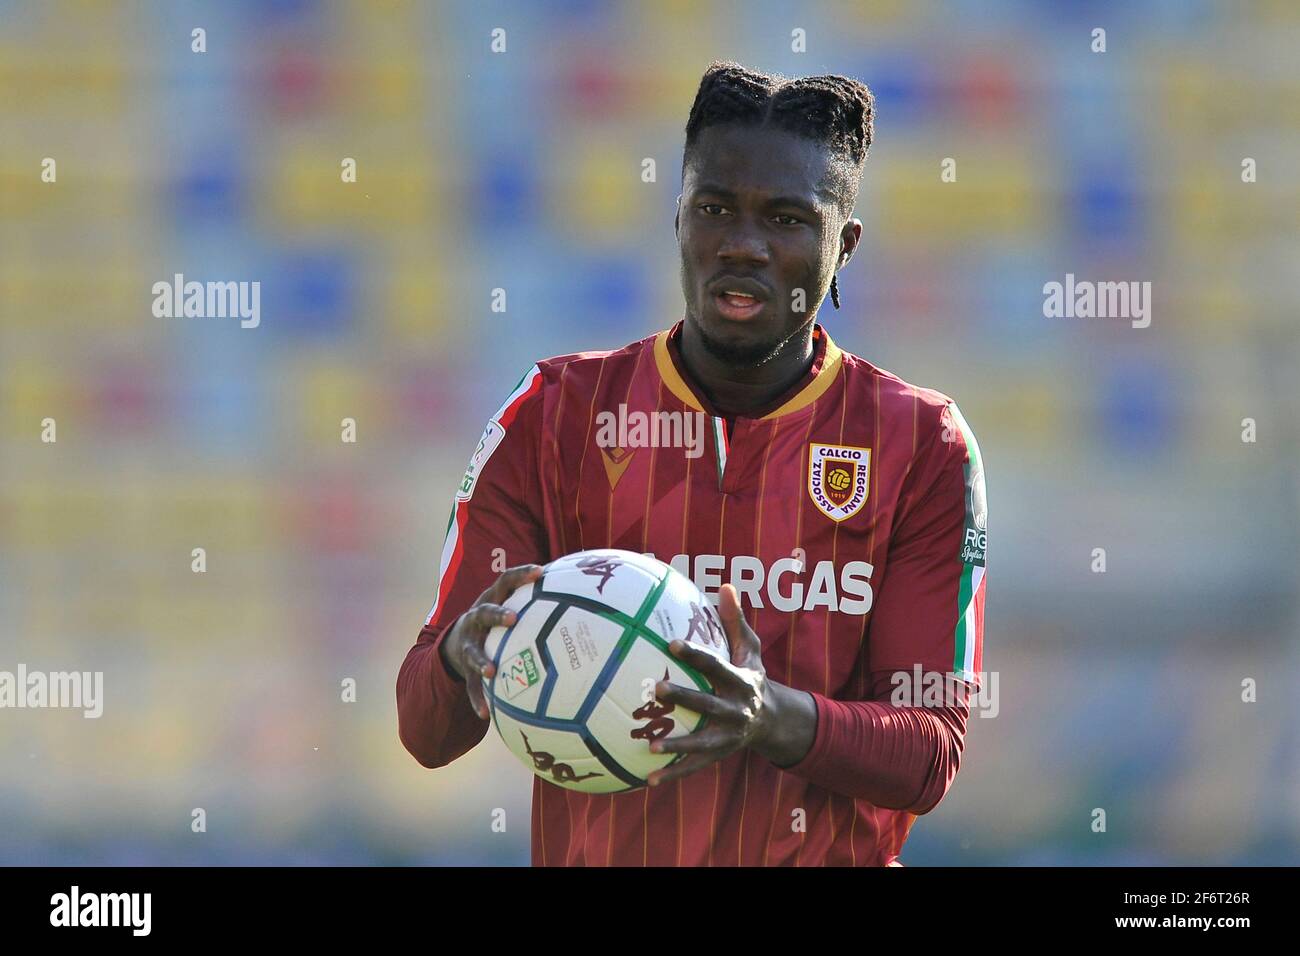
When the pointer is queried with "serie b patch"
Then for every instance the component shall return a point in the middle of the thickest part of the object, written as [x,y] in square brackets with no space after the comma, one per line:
[839,478]
[518,674]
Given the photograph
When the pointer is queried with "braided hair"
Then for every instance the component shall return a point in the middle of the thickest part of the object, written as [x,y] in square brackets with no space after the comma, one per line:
[836,111]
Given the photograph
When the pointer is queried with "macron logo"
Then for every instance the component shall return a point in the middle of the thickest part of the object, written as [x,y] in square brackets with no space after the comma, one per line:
[102,909]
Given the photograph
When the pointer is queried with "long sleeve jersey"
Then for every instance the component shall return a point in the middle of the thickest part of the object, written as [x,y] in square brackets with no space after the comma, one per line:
[850,515]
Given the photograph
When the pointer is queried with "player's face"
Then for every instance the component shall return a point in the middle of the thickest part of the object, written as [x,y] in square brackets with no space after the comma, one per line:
[752,222]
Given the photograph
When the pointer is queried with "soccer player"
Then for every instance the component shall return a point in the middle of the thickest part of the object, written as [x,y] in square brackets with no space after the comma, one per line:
[837,513]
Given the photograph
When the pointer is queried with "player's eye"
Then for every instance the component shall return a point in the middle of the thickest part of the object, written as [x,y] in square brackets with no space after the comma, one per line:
[792,220]
[711,208]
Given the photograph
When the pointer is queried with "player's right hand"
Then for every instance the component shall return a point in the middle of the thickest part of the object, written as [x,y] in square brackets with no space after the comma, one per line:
[462,650]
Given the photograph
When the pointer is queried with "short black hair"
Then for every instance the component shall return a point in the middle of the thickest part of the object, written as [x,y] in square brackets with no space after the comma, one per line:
[836,111]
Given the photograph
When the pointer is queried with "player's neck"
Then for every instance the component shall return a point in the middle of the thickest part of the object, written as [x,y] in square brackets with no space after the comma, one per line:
[739,390]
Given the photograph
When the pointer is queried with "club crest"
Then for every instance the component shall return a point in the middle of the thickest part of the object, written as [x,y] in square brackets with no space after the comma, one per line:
[839,478]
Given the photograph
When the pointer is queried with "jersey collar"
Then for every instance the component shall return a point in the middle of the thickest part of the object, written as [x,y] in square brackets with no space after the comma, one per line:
[820,377]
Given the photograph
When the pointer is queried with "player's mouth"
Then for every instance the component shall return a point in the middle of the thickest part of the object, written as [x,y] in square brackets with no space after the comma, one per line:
[738,299]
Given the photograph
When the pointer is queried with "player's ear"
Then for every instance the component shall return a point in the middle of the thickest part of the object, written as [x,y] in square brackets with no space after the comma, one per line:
[677,219]
[850,235]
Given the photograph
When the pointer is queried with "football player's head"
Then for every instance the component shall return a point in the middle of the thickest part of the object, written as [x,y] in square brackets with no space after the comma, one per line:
[770,176]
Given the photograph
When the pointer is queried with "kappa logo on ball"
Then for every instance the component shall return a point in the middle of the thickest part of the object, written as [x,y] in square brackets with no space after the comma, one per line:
[839,479]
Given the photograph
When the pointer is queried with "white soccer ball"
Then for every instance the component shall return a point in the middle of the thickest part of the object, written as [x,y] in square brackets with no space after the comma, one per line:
[573,692]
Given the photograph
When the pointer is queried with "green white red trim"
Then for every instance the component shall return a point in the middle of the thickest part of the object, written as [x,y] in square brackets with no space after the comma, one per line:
[493,433]
[721,446]
[970,592]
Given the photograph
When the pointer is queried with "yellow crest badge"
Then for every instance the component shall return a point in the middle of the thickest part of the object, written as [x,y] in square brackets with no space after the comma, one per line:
[839,477]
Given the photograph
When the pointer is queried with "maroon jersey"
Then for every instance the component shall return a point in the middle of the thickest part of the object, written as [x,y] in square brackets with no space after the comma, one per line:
[850,517]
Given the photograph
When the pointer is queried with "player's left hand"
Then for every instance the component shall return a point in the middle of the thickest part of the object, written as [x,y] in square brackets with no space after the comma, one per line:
[741,707]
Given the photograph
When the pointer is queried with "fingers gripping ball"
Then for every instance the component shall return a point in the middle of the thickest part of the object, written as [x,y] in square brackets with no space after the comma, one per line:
[573,691]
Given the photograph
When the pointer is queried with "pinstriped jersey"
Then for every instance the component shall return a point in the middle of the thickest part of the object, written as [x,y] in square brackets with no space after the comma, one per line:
[851,518]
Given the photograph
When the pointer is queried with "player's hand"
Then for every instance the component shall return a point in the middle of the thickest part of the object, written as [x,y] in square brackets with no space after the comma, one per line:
[739,709]
[462,650]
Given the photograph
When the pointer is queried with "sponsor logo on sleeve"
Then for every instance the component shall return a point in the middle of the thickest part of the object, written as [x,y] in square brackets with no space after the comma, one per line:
[974,534]
[492,436]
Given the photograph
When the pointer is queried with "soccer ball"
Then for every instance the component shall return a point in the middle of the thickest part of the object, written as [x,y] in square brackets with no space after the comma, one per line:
[573,691]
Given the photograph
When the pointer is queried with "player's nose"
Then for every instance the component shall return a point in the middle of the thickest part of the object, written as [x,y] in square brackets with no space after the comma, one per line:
[744,243]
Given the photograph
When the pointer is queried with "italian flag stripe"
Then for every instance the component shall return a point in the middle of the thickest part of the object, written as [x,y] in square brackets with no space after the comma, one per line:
[451,555]
[526,386]
[453,545]
[721,445]
[970,591]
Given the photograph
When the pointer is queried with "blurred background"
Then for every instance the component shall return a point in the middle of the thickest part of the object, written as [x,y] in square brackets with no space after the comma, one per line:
[522,170]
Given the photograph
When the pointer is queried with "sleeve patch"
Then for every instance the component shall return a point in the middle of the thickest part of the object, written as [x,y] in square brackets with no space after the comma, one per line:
[492,436]
[975,531]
